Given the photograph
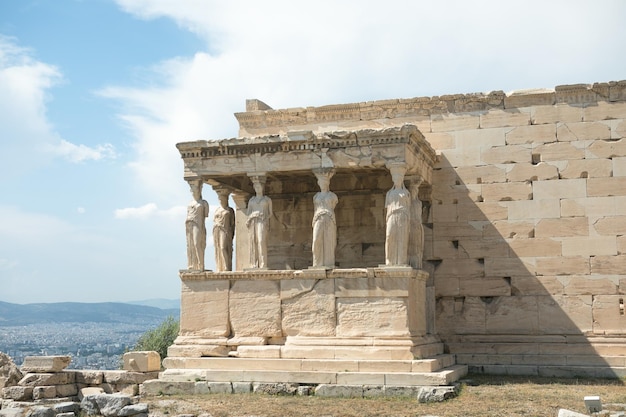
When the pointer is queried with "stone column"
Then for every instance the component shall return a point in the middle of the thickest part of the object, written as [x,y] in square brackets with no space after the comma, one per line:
[223,231]
[324,223]
[195,227]
[397,218]
[416,233]
[259,213]
[241,243]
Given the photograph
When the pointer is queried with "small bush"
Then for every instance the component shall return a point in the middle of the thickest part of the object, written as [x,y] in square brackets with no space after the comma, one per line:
[160,338]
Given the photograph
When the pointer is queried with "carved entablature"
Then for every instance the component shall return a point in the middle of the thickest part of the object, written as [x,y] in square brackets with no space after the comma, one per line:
[228,161]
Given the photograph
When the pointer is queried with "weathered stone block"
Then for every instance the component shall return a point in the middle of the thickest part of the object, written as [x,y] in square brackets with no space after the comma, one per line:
[89,377]
[452,194]
[608,314]
[333,390]
[613,186]
[308,307]
[607,149]
[160,387]
[534,247]
[534,209]
[589,284]
[582,131]
[483,248]
[556,113]
[255,308]
[447,286]
[593,207]
[199,297]
[509,229]
[531,172]
[586,168]
[507,191]
[563,227]
[486,174]
[456,230]
[148,361]
[531,134]
[453,122]
[9,373]
[558,151]
[570,188]
[507,267]
[604,110]
[482,211]
[440,140]
[589,246]
[484,138]
[565,314]
[17,393]
[45,363]
[503,118]
[67,390]
[461,157]
[460,315]
[127,377]
[528,98]
[461,267]
[507,154]
[531,285]
[197,351]
[563,266]
[42,393]
[375,316]
[608,264]
[444,213]
[502,315]
[485,287]
[42,379]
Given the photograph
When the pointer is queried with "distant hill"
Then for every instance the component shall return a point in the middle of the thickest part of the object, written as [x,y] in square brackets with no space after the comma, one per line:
[162,303]
[24,314]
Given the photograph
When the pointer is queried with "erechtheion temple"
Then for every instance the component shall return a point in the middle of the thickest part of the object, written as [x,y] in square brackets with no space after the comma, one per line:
[405,241]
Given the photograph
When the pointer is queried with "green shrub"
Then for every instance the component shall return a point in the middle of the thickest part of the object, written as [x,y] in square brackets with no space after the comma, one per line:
[160,338]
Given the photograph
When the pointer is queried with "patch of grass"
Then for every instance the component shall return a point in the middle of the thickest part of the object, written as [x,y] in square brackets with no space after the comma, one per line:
[482,396]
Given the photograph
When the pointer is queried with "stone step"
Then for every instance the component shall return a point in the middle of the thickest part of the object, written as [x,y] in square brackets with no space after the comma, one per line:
[552,360]
[441,377]
[294,365]
[551,371]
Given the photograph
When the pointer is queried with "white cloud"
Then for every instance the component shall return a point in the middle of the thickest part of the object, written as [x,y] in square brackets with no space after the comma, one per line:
[148,211]
[81,153]
[28,138]
[6,264]
[291,54]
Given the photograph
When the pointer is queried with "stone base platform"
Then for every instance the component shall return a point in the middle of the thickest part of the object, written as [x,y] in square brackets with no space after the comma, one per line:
[567,356]
[437,371]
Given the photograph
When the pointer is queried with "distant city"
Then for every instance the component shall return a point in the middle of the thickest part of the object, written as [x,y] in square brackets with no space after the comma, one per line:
[91,345]
[98,341]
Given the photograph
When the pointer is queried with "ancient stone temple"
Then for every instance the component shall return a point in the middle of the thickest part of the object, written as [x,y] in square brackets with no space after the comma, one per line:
[327,281]
[370,238]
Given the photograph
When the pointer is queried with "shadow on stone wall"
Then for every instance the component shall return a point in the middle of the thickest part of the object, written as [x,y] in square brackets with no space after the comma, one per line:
[507,301]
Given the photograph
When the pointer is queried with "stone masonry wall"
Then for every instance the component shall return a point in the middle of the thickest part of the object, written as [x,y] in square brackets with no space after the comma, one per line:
[526,237]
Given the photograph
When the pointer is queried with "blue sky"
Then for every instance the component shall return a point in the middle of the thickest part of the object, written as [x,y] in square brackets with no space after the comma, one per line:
[94,94]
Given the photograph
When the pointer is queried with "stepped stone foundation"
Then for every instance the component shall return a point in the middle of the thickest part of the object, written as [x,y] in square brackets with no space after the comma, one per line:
[520,202]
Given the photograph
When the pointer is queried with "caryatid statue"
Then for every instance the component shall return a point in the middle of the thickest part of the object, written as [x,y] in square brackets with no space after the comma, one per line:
[398,218]
[416,234]
[223,232]
[197,212]
[259,213]
[324,223]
